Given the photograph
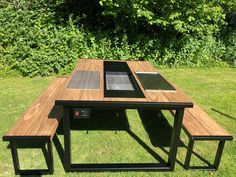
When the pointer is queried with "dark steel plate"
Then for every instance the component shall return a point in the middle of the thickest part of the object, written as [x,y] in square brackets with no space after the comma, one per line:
[85,80]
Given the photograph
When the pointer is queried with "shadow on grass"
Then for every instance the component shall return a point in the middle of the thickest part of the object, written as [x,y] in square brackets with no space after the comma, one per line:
[30,175]
[26,144]
[159,131]
[104,120]
[154,122]
[223,114]
[158,128]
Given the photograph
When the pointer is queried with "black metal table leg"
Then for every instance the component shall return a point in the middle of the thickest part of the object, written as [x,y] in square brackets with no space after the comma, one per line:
[120,166]
[189,154]
[219,154]
[175,137]
[67,145]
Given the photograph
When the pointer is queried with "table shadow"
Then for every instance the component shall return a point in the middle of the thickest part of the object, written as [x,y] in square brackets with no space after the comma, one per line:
[158,128]
[104,120]
[154,122]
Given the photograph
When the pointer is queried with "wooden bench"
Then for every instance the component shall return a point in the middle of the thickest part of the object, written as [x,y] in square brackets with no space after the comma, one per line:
[200,126]
[38,124]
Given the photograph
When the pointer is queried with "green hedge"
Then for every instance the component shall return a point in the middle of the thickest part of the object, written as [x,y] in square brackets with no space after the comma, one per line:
[39,37]
[198,16]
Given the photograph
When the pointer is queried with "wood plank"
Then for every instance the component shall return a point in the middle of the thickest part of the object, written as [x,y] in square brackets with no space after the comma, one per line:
[98,94]
[32,123]
[199,124]
[204,120]
[51,122]
[193,126]
[156,96]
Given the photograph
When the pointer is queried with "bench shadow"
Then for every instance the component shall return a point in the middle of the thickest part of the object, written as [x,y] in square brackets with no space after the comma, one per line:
[201,158]
[30,175]
[223,114]
[104,120]
[193,153]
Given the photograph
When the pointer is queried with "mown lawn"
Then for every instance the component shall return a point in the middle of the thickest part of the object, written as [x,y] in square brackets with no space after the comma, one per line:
[107,138]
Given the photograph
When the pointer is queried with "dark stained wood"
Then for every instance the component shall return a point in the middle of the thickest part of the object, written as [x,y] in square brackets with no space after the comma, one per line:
[42,117]
[199,124]
[98,94]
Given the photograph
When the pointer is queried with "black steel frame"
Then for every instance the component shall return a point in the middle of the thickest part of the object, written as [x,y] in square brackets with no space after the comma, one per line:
[49,160]
[211,167]
[168,166]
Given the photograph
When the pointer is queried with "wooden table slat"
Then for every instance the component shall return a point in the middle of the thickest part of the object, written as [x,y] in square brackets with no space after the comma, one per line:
[98,94]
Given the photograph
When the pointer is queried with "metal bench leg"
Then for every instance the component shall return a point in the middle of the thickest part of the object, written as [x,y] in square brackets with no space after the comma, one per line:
[50,157]
[189,154]
[209,167]
[15,158]
[49,160]
[219,154]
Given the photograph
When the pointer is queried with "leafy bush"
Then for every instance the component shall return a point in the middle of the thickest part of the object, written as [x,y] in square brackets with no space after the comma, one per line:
[230,54]
[199,16]
[47,37]
[32,43]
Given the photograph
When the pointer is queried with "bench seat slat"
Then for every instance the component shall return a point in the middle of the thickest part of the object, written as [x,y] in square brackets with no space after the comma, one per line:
[206,122]
[197,123]
[38,120]
[192,126]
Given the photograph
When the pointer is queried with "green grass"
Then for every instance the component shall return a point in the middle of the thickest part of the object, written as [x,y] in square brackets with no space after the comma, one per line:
[213,89]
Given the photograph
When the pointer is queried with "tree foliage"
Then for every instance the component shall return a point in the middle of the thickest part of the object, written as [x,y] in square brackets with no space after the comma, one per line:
[198,16]
[39,37]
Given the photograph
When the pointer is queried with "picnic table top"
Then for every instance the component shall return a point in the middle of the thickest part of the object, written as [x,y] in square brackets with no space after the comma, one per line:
[80,94]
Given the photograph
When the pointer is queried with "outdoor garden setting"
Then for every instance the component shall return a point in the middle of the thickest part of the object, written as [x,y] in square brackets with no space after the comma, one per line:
[117,88]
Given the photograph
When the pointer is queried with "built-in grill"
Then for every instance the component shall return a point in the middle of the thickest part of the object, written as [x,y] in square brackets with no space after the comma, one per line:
[119,81]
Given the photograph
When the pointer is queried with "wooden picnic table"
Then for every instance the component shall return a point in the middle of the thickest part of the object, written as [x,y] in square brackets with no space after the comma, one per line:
[113,85]
[88,88]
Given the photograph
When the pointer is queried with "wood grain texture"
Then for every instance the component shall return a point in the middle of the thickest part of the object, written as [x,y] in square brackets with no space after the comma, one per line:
[98,94]
[204,120]
[199,124]
[42,117]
